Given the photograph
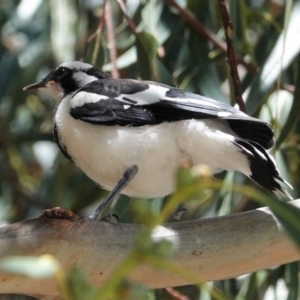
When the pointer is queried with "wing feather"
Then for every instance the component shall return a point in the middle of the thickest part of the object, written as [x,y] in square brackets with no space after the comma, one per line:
[129,102]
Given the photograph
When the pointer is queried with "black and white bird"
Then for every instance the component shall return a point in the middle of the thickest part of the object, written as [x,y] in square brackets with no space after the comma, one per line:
[140,132]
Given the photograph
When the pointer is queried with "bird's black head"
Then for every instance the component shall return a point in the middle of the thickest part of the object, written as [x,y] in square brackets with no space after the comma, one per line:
[67,78]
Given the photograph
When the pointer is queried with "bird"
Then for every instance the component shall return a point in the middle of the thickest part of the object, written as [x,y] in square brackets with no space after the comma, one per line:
[130,136]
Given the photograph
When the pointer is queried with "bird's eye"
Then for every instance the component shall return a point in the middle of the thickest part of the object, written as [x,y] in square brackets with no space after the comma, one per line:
[61,72]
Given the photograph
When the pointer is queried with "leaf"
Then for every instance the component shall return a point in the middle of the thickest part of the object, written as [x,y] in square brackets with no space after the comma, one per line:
[151,16]
[294,112]
[123,61]
[63,31]
[293,282]
[283,53]
[278,107]
[206,79]
[147,47]
[78,286]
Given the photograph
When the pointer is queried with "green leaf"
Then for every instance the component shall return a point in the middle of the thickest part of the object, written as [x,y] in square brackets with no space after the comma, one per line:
[294,112]
[78,286]
[293,282]
[206,79]
[285,50]
[147,47]
[123,61]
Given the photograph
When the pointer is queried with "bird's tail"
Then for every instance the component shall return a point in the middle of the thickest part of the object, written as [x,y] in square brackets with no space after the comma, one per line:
[262,167]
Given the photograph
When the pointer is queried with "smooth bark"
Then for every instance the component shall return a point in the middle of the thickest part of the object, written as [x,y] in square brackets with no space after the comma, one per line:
[214,248]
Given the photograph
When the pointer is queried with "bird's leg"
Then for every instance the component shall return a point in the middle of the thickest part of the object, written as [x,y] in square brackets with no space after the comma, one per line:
[122,183]
[176,217]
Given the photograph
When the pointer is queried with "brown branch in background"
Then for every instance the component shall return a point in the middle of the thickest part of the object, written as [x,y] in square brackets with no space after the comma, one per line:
[287,87]
[128,19]
[231,57]
[200,29]
[111,41]
[175,294]
[97,34]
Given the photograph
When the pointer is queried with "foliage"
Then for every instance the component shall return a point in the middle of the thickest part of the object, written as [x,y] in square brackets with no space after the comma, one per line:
[160,42]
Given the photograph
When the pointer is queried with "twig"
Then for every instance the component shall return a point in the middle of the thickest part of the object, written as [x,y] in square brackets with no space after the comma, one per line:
[231,57]
[128,19]
[111,41]
[160,50]
[175,294]
[200,29]
[97,34]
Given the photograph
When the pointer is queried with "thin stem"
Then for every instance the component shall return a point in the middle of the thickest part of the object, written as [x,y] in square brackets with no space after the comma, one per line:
[128,19]
[201,30]
[175,294]
[231,57]
[97,34]
[111,41]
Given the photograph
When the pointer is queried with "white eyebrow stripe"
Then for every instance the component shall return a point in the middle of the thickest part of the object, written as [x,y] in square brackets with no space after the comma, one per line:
[83,78]
[76,65]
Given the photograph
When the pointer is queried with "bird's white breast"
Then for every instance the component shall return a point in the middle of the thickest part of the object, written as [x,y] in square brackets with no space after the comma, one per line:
[105,152]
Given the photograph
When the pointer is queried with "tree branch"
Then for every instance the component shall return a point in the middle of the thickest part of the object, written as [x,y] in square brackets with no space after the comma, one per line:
[214,248]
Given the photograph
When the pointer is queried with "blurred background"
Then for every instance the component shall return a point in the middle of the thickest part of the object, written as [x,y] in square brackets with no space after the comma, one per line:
[179,43]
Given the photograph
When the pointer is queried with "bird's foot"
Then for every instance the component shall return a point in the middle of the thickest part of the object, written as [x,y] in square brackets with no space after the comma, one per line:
[111,218]
[176,217]
[127,176]
[58,213]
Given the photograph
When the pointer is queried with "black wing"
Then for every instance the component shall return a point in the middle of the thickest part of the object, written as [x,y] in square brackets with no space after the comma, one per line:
[136,103]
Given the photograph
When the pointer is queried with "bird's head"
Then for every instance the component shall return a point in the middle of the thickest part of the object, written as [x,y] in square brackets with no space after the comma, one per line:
[67,78]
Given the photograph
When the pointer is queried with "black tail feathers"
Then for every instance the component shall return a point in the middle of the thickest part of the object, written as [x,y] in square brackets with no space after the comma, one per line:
[262,167]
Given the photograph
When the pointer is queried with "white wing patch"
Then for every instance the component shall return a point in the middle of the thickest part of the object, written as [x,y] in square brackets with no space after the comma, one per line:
[155,93]
[149,96]
[224,114]
[192,101]
[81,98]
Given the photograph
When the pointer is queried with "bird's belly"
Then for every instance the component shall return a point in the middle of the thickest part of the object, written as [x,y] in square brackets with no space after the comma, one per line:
[105,152]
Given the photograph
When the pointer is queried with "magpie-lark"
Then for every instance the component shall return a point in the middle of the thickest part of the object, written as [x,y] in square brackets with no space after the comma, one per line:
[138,132]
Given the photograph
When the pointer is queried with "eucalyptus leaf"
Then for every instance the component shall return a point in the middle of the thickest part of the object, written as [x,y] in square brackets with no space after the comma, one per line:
[147,47]
[294,112]
[123,61]
[78,286]
[285,50]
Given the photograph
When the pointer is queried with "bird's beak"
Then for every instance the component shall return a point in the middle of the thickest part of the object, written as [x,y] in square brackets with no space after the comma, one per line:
[38,85]
[47,86]
[35,86]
